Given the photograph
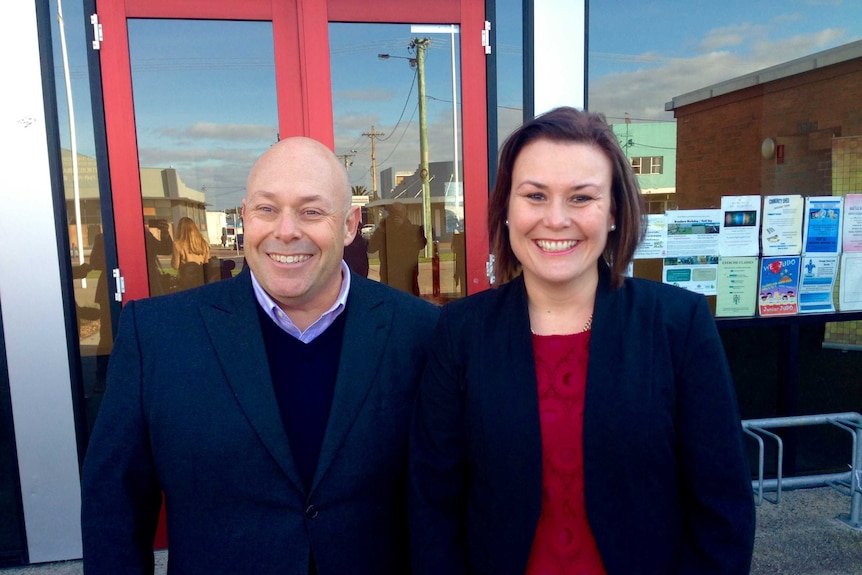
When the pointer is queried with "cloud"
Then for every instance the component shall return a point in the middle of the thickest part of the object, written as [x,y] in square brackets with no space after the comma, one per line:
[368,95]
[228,132]
[643,93]
[726,36]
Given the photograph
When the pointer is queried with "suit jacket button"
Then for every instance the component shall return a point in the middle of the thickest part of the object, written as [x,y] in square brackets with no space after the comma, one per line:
[311,512]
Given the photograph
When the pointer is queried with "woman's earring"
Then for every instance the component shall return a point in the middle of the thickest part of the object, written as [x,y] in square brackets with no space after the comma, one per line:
[613,227]
[507,223]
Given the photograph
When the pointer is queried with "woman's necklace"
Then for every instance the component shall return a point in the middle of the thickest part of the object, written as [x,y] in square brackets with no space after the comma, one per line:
[586,327]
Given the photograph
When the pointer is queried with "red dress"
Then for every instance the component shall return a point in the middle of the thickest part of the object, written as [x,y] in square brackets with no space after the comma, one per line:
[563,544]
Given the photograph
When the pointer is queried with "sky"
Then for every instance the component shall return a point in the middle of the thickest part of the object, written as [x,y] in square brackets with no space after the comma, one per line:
[205,91]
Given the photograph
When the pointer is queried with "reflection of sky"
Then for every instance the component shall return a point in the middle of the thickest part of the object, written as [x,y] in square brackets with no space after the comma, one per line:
[642,54]
[210,101]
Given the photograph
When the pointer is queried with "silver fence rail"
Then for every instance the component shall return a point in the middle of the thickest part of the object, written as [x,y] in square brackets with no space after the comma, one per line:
[848,483]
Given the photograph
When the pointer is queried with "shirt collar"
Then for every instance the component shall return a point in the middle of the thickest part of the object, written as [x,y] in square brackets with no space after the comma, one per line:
[277,315]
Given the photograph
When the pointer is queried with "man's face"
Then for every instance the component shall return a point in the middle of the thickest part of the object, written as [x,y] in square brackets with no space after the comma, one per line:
[296,223]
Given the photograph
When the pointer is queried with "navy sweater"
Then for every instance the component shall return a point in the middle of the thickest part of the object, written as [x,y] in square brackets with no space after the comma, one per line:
[303,375]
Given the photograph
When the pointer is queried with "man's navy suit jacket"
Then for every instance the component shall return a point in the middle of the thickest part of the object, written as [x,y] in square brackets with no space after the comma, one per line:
[190,412]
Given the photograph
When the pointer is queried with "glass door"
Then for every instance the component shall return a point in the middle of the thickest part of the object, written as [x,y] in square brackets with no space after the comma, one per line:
[193,94]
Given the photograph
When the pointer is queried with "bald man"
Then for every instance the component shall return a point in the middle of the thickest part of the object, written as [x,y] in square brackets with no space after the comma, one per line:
[270,410]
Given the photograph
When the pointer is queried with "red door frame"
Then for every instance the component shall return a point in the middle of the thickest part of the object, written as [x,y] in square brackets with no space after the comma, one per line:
[304,95]
[300,34]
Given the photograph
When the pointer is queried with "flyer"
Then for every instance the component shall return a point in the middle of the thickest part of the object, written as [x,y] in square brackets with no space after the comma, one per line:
[850,282]
[822,225]
[740,226]
[779,284]
[852,240]
[693,232]
[654,244]
[737,286]
[694,273]
[782,225]
[817,284]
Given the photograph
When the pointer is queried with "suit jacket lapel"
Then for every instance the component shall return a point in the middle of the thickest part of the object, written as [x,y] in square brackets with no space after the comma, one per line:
[367,321]
[231,318]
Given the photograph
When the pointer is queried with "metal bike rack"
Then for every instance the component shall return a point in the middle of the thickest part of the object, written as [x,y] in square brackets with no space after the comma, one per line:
[848,483]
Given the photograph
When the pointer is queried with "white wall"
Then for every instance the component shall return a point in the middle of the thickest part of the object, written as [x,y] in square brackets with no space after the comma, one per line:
[31,302]
[560,54]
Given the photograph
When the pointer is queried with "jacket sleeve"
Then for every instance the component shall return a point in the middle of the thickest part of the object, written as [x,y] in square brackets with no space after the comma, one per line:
[438,463]
[716,483]
[120,496]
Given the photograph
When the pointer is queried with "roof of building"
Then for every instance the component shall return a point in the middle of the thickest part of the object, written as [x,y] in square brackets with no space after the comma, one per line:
[805,64]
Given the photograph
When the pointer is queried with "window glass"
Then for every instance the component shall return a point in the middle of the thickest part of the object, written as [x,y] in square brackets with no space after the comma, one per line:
[397,120]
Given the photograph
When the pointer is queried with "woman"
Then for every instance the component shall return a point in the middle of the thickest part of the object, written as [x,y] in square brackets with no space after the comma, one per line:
[190,255]
[574,420]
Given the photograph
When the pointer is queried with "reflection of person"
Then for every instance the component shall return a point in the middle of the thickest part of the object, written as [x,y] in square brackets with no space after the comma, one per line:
[356,255]
[273,412]
[398,243]
[609,439]
[161,246]
[190,255]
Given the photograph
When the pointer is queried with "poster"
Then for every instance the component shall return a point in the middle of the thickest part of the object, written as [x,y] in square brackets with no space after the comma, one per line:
[779,285]
[654,244]
[693,232]
[737,286]
[694,273]
[782,225]
[740,226]
[850,282]
[822,225]
[852,240]
[817,284]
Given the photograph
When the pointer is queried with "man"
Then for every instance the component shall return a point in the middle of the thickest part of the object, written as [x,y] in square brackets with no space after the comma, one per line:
[271,409]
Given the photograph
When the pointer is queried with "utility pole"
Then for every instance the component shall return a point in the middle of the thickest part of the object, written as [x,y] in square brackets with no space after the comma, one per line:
[420,45]
[346,158]
[373,135]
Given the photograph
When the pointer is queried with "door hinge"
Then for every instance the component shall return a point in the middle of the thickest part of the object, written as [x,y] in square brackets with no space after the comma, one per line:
[486,37]
[119,285]
[489,269]
[97,31]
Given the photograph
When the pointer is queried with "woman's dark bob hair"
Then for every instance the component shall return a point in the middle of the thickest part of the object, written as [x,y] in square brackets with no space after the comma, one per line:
[569,125]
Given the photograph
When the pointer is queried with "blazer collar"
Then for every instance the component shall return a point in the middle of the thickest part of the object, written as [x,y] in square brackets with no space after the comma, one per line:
[231,317]
[368,321]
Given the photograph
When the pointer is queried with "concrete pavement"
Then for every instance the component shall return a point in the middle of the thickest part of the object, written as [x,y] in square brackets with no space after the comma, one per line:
[799,536]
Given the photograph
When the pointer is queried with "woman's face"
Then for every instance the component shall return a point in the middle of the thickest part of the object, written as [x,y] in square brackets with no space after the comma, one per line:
[560,211]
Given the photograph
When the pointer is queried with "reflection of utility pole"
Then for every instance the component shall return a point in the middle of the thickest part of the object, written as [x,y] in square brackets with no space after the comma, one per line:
[346,159]
[373,135]
[420,45]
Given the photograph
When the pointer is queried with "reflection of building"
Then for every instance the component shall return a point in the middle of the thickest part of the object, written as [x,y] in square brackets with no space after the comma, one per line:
[802,106]
[163,193]
[651,149]
[447,203]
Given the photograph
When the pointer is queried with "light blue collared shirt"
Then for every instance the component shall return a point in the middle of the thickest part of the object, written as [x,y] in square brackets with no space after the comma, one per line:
[276,314]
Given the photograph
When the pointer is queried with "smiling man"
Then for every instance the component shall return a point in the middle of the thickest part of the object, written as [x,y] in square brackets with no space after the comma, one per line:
[269,411]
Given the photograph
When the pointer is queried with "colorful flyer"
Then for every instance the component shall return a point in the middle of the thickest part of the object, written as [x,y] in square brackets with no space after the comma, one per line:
[654,244]
[694,273]
[817,283]
[693,232]
[779,286]
[737,286]
[852,240]
[822,226]
[740,226]
[850,282]
[781,231]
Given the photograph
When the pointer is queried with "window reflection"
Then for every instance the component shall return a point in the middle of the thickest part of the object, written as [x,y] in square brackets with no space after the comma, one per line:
[396,108]
[204,111]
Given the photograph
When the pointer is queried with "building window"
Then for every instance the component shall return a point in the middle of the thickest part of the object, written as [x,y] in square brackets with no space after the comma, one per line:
[648,165]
